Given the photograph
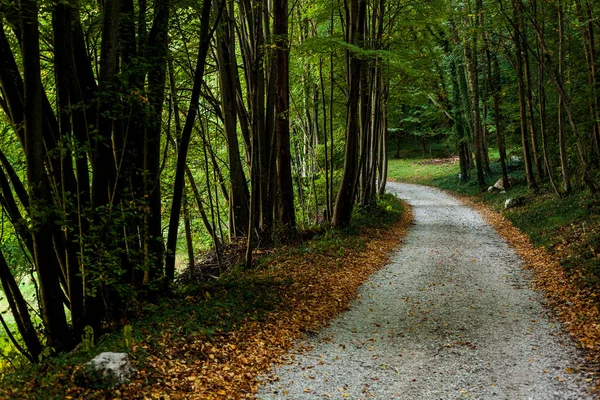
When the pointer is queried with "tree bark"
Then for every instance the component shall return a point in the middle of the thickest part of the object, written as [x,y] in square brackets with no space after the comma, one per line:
[240,196]
[566,177]
[51,296]
[518,42]
[344,203]
[185,142]
[287,213]
[471,58]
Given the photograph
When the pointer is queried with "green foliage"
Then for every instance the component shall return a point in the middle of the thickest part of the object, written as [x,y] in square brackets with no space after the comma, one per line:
[128,336]
[87,339]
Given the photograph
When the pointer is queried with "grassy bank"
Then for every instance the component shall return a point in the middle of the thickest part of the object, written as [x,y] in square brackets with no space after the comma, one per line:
[211,340]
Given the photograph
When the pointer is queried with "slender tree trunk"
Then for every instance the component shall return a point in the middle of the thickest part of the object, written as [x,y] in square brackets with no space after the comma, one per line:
[328,210]
[566,178]
[188,231]
[471,58]
[185,141]
[495,86]
[558,82]
[587,33]
[457,103]
[20,311]
[530,114]
[521,88]
[542,101]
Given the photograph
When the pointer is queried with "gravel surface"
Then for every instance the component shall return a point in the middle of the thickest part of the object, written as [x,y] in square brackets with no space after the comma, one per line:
[451,317]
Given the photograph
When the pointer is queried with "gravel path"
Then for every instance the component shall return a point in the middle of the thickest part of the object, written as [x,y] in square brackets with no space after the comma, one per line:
[451,317]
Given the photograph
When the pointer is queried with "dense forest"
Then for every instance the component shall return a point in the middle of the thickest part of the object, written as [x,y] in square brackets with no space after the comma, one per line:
[135,135]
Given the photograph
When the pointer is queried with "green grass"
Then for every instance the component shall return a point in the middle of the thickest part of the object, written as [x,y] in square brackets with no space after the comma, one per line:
[409,170]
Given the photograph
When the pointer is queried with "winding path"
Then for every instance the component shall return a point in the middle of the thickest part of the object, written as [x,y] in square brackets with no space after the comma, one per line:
[451,317]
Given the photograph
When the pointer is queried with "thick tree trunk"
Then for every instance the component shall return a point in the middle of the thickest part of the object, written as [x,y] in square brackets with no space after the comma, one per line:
[287,214]
[51,296]
[346,195]
[239,195]
[157,49]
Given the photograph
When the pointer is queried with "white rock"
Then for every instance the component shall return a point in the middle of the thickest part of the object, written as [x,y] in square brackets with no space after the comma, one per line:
[111,368]
[512,202]
[500,184]
[515,159]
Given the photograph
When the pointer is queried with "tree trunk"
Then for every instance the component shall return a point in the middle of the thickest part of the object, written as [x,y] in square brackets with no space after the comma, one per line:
[240,196]
[495,87]
[20,311]
[51,296]
[566,178]
[157,49]
[471,58]
[287,214]
[521,88]
[346,195]
[185,141]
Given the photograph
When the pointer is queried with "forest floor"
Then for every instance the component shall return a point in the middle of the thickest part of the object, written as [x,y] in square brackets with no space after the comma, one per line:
[452,316]
[213,340]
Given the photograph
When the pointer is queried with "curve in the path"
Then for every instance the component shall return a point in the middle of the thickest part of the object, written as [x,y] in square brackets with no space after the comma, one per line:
[451,317]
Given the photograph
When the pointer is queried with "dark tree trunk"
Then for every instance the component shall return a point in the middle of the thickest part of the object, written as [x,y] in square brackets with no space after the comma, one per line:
[495,87]
[471,58]
[287,214]
[344,203]
[566,177]
[518,41]
[51,296]
[240,197]
[189,242]
[20,311]
[157,49]
[185,142]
